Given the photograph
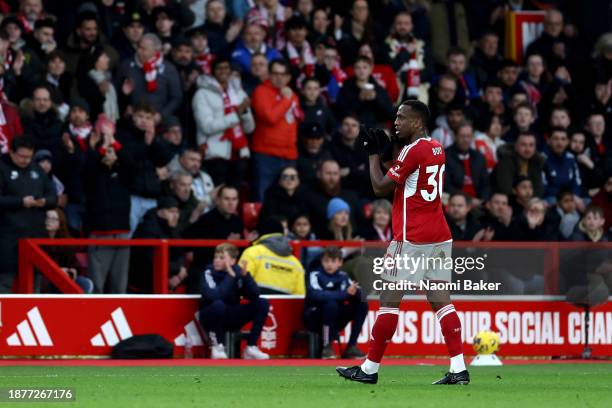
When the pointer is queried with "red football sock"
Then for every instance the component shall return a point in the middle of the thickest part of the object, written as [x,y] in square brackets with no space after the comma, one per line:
[451,329]
[382,332]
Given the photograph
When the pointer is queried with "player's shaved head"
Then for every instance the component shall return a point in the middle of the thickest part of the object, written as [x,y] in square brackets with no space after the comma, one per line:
[411,120]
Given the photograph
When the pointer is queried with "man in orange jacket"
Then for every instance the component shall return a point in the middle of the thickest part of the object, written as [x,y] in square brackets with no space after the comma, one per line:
[277,113]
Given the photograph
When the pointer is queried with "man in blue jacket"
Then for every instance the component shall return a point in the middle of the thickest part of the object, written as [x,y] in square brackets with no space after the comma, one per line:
[332,301]
[223,285]
[560,167]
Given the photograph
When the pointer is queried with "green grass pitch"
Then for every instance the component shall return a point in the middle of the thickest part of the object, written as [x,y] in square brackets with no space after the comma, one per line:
[518,386]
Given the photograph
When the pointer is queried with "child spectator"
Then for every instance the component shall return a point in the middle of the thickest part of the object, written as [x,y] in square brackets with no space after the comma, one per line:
[591,227]
[566,208]
[316,112]
[301,229]
[332,301]
[224,284]
[522,193]
[522,121]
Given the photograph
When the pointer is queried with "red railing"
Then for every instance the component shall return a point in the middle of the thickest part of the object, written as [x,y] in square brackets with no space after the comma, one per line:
[31,256]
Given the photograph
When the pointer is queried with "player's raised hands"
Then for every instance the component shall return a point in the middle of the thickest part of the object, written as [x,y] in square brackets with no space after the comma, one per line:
[373,140]
[368,141]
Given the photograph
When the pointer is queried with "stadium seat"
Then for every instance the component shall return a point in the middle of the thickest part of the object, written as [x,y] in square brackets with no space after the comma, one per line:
[312,338]
[250,215]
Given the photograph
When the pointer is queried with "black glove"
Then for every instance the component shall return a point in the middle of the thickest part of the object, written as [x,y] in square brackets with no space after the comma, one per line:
[368,140]
[381,138]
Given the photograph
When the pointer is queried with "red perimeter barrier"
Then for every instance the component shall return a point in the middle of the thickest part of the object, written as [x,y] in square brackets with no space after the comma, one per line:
[89,325]
[32,256]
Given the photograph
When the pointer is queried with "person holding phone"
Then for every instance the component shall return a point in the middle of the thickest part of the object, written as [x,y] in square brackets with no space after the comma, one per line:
[26,192]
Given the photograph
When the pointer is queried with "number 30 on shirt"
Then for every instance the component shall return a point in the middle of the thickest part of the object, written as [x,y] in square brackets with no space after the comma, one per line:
[436,176]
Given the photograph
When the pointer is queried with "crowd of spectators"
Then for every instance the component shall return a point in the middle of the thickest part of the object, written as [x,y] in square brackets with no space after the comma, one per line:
[159,118]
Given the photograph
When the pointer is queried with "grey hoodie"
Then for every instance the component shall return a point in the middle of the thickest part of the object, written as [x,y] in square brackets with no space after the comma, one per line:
[277,243]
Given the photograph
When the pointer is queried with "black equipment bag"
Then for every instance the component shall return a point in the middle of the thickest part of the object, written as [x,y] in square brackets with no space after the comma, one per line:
[143,346]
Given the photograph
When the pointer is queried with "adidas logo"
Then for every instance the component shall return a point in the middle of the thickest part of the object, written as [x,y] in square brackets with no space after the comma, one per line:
[112,334]
[31,332]
[191,329]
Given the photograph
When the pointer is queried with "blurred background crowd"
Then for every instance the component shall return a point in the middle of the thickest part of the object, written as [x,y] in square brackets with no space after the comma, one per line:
[225,118]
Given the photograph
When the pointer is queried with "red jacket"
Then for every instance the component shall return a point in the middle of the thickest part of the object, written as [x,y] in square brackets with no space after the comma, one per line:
[276,122]
[11,127]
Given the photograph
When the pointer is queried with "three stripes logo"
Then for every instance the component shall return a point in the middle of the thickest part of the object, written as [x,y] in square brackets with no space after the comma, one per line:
[113,330]
[31,332]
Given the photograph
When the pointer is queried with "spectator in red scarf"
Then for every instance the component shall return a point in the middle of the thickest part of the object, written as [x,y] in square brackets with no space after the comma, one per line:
[150,78]
[298,51]
[203,56]
[276,16]
[277,113]
[68,163]
[29,12]
[406,54]
[223,117]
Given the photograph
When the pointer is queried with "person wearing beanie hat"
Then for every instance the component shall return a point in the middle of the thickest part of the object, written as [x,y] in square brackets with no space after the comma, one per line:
[271,226]
[335,206]
[42,154]
[271,262]
[78,102]
[339,227]
[44,158]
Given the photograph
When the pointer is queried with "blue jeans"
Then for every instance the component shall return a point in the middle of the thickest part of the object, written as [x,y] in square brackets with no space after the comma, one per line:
[267,169]
[140,205]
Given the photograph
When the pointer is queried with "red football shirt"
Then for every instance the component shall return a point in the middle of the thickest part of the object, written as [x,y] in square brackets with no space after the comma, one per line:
[417,215]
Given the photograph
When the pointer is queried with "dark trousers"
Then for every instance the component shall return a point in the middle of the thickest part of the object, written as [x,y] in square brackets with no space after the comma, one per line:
[9,261]
[330,317]
[218,317]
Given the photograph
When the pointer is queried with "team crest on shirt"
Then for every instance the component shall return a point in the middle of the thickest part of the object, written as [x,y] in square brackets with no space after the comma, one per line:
[14,175]
[34,175]
[393,170]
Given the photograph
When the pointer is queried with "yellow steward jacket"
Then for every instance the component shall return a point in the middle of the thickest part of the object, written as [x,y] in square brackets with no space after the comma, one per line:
[271,263]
